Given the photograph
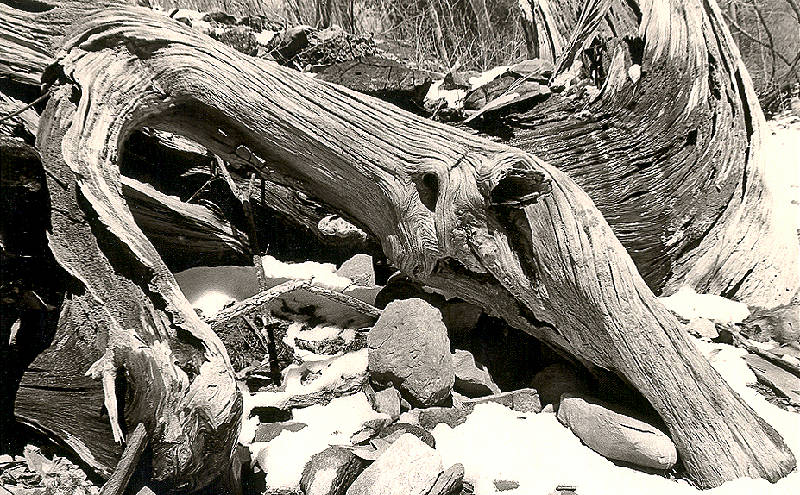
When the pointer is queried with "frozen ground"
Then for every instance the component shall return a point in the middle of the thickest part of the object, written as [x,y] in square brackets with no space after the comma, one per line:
[539,453]
[782,152]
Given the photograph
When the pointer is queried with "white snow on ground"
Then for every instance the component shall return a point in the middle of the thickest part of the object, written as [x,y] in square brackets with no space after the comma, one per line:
[782,153]
[284,458]
[540,453]
[688,304]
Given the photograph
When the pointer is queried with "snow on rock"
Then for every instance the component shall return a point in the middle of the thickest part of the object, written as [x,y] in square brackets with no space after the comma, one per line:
[320,274]
[284,458]
[211,288]
[540,453]
[688,304]
[407,467]
[310,377]
[488,76]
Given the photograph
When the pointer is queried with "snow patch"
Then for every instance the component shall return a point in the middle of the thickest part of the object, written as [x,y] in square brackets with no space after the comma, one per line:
[688,304]
[488,76]
[539,453]
[311,377]
[320,274]
[284,458]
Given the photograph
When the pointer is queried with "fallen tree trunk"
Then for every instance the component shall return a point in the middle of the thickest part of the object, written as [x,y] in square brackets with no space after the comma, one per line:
[668,146]
[475,218]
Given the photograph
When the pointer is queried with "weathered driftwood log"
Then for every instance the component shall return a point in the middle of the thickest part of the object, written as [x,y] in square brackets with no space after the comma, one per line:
[123,321]
[31,32]
[671,149]
[484,221]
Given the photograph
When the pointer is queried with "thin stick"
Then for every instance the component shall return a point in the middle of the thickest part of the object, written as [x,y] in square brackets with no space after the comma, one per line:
[119,479]
[29,105]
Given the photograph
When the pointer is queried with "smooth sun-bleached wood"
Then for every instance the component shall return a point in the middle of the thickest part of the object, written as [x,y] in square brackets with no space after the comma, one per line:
[478,219]
[672,148]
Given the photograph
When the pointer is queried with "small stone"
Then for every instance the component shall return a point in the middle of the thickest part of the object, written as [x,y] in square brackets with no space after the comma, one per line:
[395,431]
[471,380]
[269,431]
[524,400]
[449,482]
[330,472]
[429,417]
[409,347]
[505,485]
[359,269]
[635,73]
[407,467]
[616,435]
[388,402]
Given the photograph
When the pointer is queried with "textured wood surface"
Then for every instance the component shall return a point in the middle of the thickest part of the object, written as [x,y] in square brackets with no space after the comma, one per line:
[672,157]
[543,258]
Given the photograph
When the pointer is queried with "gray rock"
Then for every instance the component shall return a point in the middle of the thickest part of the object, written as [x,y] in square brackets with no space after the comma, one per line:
[555,380]
[269,431]
[471,380]
[449,482]
[409,347]
[460,317]
[330,472]
[536,69]
[430,417]
[523,400]
[395,431]
[387,401]
[359,269]
[505,485]
[616,435]
[407,467]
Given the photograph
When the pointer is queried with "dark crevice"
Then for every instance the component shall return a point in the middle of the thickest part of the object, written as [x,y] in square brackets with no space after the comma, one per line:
[691,138]
[636,49]
[32,6]
[748,125]
[428,189]
[730,293]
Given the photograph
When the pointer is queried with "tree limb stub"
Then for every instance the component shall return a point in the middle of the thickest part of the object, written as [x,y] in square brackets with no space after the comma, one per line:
[546,261]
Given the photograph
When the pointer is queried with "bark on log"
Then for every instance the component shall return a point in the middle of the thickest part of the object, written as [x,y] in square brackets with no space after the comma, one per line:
[486,222]
[671,149]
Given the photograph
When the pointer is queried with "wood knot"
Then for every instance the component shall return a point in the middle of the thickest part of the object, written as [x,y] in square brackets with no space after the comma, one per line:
[511,180]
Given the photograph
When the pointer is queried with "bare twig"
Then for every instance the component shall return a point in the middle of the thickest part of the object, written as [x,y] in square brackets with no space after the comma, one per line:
[27,106]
